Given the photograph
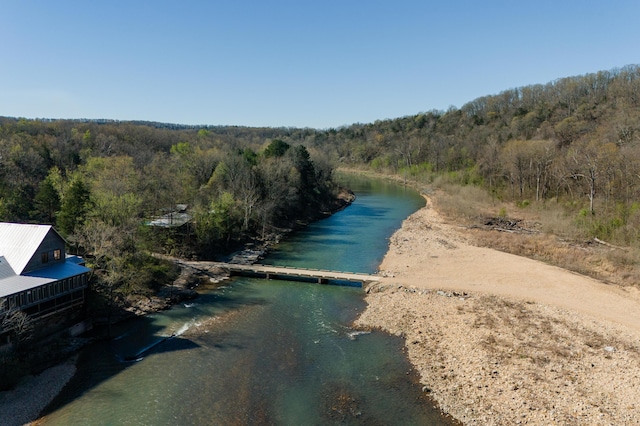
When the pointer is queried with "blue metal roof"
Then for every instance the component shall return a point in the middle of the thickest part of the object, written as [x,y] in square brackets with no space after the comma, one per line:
[75,259]
[11,284]
[59,271]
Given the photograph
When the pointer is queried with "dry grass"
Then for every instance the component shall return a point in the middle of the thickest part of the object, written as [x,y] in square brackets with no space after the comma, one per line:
[545,232]
[465,203]
[555,238]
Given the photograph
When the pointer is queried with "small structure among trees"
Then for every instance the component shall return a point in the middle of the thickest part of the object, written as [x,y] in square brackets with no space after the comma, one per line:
[174,218]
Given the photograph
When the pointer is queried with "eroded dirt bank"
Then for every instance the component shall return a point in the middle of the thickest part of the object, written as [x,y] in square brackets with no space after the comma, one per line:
[501,339]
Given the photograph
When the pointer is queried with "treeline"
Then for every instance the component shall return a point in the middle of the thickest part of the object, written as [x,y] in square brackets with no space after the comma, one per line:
[100,183]
[574,140]
[135,171]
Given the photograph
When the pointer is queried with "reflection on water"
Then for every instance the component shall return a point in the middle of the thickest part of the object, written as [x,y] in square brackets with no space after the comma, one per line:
[263,352]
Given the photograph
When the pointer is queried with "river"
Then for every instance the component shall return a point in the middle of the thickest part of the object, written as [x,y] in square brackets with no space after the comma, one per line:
[264,352]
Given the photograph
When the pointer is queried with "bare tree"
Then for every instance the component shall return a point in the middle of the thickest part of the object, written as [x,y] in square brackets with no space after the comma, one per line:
[517,162]
[17,323]
[489,163]
[588,159]
[109,249]
[247,192]
[542,153]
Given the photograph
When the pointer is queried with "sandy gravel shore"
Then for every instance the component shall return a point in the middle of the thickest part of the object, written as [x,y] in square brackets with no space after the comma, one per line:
[500,339]
[23,404]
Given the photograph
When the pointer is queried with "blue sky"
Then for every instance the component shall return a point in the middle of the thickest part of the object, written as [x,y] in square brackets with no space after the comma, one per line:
[303,63]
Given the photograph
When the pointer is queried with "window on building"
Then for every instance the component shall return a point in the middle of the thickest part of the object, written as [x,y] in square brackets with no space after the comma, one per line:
[57,254]
[45,257]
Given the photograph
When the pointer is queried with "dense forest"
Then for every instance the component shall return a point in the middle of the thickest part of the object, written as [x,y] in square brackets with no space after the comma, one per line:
[101,183]
[573,141]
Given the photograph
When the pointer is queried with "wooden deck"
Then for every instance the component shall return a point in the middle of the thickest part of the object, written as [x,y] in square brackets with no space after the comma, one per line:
[288,273]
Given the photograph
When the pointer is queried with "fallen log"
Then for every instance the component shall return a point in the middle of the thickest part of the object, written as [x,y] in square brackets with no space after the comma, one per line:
[604,243]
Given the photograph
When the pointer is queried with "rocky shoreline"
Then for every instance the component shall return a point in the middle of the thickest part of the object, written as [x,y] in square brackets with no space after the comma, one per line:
[501,340]
[23,404]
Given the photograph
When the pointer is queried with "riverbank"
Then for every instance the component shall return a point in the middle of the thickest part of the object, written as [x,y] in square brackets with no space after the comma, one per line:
[501,339]
[23,404]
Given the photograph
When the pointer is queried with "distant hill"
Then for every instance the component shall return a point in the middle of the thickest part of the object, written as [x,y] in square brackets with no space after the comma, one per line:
[575,137]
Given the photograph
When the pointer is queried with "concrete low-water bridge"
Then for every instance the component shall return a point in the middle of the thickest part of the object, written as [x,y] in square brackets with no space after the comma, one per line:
[288,273]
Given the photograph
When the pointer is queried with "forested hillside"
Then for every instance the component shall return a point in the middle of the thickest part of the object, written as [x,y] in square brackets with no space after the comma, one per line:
[574,141]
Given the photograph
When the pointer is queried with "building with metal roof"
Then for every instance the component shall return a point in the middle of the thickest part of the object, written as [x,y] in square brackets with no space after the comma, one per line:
[174,218]
[36,275]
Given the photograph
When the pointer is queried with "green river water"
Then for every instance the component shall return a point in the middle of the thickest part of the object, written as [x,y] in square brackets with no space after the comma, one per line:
[258,352]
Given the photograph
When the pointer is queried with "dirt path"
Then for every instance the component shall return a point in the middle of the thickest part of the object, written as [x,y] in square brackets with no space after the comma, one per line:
[501,339]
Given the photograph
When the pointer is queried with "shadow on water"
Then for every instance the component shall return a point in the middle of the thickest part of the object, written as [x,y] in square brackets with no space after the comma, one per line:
[164,344]
[139,338]
[225,302]
[321,242]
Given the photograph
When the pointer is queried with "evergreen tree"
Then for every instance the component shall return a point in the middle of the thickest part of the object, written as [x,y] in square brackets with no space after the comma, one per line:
[47,201]
[277,148]
[75,206]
